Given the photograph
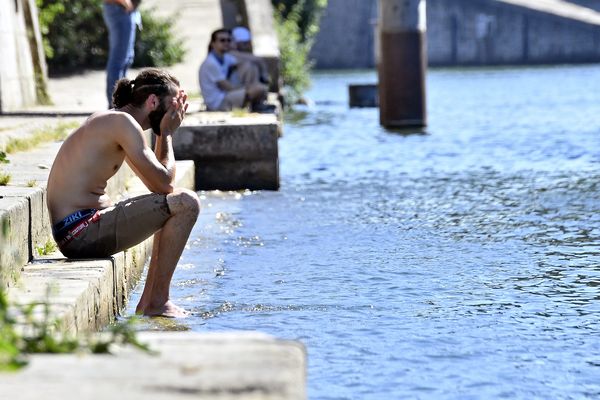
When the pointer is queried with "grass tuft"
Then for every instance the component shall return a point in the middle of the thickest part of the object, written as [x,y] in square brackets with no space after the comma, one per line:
[4,178]
[48,248]
[40,136]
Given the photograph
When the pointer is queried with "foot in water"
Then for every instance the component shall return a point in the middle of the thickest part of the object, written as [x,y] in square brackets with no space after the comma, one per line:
[169,310]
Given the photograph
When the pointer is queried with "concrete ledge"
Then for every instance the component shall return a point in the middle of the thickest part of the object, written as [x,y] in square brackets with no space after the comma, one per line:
[213,366]
[14,237]
[231,153]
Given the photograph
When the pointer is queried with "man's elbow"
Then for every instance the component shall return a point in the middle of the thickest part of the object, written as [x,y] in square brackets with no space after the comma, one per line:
[162,187]
[166,189]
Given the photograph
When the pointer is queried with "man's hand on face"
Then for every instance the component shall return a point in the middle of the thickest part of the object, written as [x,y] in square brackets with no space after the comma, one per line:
[175,113]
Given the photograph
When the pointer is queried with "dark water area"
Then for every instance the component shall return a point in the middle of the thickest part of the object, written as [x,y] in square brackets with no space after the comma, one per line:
[462,262]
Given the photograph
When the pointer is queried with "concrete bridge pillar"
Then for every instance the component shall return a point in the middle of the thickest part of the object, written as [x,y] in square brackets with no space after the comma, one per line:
[402,63]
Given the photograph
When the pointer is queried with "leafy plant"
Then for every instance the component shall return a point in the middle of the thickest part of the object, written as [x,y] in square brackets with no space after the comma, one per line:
[297,23]
[75,37]
[122,333]
[5,178]
[309,13]
[48,248]
[11,357]
[156,44]
[33,334]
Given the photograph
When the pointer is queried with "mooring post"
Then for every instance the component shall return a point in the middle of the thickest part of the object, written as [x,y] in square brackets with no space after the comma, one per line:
[402,63]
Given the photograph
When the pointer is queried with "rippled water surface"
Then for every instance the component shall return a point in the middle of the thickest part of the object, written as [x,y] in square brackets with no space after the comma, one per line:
[462,262]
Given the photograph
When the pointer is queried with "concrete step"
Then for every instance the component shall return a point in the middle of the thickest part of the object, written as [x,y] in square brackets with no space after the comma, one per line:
[221,366]
[231,152]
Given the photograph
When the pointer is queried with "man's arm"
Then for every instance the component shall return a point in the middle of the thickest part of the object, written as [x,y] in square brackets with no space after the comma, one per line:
[260,63]
[156,170]
[225,85]
[154,174]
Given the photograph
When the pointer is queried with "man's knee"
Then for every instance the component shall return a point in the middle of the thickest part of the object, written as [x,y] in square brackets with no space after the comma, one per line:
[257,91]
[184,201]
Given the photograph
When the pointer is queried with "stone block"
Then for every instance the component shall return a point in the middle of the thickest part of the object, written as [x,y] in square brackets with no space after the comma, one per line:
[40,229]
[236,175]
[237,153]
[363,95]
[120,281]
[186,174]
[15,250]
[79,292]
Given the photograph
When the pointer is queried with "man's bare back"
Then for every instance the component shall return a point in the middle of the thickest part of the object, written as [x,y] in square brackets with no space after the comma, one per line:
[85,162]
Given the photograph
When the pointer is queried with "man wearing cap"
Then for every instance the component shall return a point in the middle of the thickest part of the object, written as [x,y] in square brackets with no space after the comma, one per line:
[219,91]
[249,67]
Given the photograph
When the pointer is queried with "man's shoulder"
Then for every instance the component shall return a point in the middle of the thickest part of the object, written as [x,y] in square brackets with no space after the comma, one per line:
[112,118]
[113,123]
[209,60]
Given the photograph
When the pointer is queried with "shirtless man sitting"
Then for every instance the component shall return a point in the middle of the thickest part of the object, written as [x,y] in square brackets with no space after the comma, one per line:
[86,224]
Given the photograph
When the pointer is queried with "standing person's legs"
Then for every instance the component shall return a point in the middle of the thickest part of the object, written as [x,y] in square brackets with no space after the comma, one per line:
[121,37]
[167,248]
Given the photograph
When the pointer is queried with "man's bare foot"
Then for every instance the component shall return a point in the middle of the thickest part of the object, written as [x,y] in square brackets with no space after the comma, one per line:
[169,310]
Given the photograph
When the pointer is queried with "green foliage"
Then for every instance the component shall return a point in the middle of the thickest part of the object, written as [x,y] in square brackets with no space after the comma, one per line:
[10,355]
[48,248]
[5,178]
[76,37]
[297,23]
[3,158]
[45,335]
[155,45]
[74,34]
[123,333]
[309,13]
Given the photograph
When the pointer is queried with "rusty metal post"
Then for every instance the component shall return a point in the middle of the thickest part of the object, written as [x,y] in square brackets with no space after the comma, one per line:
[402,63]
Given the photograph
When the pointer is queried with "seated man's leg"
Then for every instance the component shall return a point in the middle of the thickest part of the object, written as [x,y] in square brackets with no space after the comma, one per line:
[257,94]
[247,73]
[233,99]
[169,243]
[117,228]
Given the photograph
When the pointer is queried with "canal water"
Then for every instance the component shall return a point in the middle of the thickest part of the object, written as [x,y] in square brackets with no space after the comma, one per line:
[460,262]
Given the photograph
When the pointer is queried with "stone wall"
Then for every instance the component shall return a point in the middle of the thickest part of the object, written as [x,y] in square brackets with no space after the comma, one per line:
[17,65]
[346,35]
[466,32]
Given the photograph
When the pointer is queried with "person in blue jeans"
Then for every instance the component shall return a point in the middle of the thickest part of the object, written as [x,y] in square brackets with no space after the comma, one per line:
[121,18]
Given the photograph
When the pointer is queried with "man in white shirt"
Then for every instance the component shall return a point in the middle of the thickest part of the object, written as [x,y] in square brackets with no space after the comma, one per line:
[219,92]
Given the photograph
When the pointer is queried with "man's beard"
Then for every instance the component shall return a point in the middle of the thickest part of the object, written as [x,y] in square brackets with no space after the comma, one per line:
[155,117]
